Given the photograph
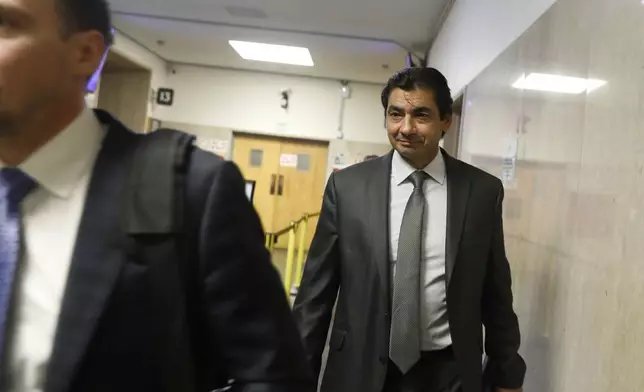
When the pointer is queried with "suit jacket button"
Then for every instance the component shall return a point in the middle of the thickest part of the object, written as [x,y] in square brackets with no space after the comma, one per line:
[383,360]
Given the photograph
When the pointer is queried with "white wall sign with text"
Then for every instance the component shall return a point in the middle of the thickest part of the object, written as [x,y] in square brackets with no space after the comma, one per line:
[288,160]
[216,146]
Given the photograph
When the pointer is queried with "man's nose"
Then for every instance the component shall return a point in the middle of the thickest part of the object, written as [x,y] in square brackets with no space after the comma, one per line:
[407,127]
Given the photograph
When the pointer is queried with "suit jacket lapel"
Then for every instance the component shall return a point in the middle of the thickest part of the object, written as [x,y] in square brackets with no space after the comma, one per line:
[377,193]
[96,262]
[458,193]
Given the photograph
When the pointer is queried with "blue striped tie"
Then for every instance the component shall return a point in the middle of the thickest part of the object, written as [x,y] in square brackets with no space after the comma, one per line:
[14,186]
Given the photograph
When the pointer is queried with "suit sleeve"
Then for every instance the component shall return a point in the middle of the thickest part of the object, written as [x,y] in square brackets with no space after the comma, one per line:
[320,283]
[506,368]
[245,309]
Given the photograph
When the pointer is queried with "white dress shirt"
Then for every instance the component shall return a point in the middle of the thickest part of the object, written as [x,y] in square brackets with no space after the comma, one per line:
[51,216]
[436,334]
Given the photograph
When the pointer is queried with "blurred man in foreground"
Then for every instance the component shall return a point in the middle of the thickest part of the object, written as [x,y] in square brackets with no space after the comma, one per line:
[118,276]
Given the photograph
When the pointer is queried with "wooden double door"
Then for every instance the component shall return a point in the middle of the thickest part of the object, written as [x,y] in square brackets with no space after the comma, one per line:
[289,175]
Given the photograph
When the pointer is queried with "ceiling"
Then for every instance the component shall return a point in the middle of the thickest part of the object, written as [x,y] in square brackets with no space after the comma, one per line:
[358,40]
[117,63]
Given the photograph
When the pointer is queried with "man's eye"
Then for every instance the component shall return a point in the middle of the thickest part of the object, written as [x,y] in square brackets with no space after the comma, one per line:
[4,21]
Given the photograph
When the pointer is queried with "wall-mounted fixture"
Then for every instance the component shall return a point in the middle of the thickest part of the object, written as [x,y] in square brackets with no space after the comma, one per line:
[285,96]
[345,89]
[345,93]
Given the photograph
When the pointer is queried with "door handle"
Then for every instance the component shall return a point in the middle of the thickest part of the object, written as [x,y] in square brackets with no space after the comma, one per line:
[273,180]
[280,186]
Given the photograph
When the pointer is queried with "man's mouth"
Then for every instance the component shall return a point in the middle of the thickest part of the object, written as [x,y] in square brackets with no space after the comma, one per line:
[407,142]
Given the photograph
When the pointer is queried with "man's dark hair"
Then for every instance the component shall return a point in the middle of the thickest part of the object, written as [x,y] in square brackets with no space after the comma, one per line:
[85,15]
[410,79]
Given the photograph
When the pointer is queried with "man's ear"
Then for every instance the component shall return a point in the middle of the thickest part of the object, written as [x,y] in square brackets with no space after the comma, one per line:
[88,50]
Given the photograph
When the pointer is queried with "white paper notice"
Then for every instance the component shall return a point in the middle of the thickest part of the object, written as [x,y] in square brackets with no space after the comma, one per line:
[288,160]
[217,146]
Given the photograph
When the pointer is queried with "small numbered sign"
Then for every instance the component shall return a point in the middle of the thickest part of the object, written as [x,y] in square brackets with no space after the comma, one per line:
[165,96]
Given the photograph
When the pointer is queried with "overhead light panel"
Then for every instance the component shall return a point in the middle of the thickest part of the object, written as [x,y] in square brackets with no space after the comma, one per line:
[557,83]
[245,12]
[270,53]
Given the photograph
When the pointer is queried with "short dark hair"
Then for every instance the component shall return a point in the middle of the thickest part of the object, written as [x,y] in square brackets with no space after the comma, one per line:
[85,15]
[410,79]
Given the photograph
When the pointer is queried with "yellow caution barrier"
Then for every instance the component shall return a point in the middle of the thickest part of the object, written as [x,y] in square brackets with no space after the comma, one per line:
[293,263]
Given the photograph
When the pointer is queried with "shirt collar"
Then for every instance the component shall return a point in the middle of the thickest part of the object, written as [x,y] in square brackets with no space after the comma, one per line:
[62,162]
[401,169]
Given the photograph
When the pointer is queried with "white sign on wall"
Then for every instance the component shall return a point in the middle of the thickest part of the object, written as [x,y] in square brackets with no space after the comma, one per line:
[509,163]
[216,146]
[509,172]
[288,160]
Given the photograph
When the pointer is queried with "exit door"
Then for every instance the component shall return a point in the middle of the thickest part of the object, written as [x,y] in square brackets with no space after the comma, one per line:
[289,177]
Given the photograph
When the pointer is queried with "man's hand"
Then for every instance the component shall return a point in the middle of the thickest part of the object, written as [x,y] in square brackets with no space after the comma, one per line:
[508,390]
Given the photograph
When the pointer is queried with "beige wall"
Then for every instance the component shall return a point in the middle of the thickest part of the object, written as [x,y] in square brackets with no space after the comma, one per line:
[343,153]
[575,215]
[125,95]
[133,51]
[250,102]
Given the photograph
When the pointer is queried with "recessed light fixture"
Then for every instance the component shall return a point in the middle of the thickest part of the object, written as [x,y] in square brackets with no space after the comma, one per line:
[557,83]
[245,12]
[273,53]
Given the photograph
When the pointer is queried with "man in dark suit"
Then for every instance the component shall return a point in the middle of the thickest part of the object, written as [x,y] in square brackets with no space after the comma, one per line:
[85,306]
[413,243]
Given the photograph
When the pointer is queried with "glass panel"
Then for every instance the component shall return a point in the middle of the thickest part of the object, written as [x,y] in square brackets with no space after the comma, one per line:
[256,158]
[303,162]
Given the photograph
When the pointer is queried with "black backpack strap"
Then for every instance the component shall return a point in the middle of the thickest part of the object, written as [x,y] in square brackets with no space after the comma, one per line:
[156,225]
[155,196]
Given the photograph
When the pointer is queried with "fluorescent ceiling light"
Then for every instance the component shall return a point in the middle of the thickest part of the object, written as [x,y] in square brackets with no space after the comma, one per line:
[557,83]
[273,53]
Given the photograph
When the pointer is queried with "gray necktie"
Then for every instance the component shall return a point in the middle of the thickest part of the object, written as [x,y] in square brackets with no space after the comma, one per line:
[404,349]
